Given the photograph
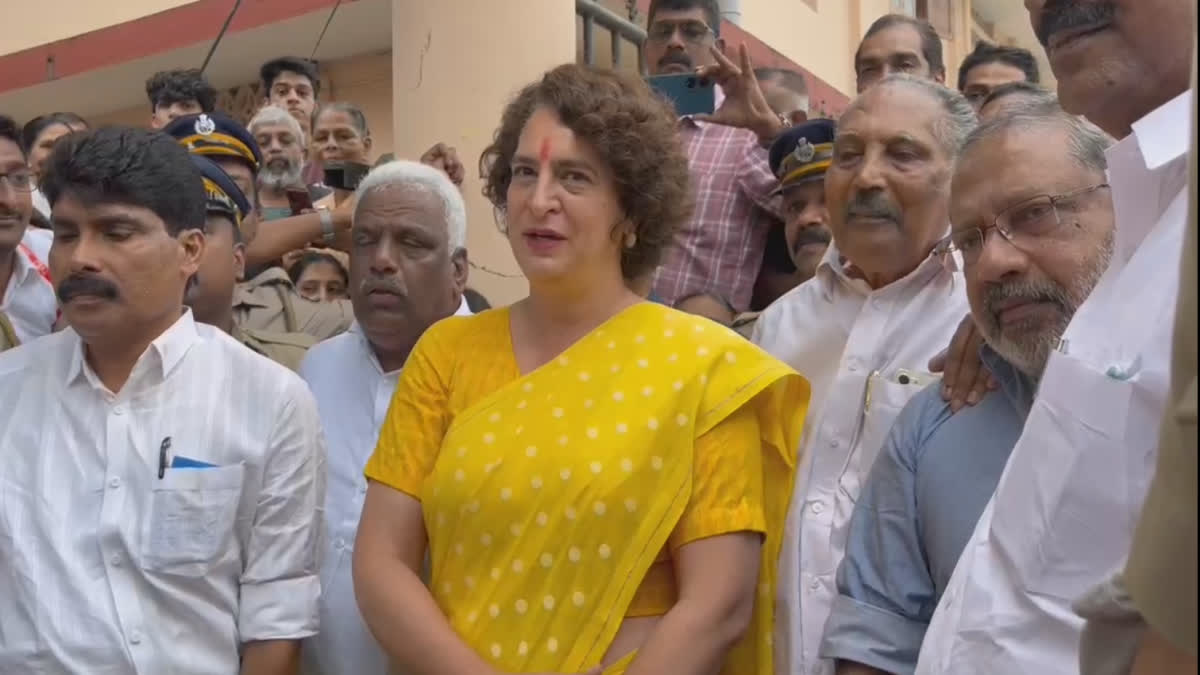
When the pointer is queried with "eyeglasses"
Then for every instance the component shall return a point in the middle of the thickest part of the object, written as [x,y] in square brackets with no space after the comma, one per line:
[20,180]
[694,32]
[1021,222]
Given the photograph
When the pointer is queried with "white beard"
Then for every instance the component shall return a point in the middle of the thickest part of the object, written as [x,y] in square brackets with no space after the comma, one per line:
[280,179]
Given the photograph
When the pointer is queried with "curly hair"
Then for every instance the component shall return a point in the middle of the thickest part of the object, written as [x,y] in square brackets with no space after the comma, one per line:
[630,127]
[181,86]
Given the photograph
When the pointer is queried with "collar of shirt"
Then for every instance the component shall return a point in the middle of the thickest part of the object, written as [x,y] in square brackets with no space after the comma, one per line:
[167,350]
[1158,140]
[1014,384]
[361,338]
[834,268]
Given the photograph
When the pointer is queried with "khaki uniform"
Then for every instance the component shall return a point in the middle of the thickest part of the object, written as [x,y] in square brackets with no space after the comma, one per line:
[286,349]
[8,336]
[1162,567]
[269,302]
[744,324]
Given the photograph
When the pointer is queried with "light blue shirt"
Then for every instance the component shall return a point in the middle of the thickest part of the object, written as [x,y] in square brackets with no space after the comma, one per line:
[927,489]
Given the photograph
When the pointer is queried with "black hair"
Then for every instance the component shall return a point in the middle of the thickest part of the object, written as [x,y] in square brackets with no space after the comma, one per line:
[311,258]
[34,127]
[931,43]
[1021,59]
[475,300]
[10,131]
[124,165]
[356,115]
[712,11]
[1032,90]
[167,87]
[790,79]
[289,64]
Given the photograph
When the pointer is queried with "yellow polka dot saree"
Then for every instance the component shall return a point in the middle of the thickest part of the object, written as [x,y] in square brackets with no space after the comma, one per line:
[549,497]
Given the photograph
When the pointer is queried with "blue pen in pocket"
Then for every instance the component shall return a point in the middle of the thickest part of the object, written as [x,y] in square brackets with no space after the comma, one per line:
[181,462]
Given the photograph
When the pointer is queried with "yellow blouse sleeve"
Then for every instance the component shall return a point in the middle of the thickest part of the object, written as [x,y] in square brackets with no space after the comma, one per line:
[727,482]
[416,420]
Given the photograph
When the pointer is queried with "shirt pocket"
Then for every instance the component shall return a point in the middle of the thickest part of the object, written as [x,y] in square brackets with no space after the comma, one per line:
[192,517]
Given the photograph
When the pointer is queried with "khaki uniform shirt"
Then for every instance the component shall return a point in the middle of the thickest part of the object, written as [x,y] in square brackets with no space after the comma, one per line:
[1162,567]
[8,337]
[744,324]
[269,302]
[286,349]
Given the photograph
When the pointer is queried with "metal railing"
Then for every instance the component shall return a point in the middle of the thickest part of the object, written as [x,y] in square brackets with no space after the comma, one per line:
[620,30]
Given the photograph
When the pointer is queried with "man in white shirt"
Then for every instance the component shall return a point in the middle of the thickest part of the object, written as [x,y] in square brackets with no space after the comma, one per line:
[408,269]
[1062,516]
[884,300]
[28,307]
[161,494]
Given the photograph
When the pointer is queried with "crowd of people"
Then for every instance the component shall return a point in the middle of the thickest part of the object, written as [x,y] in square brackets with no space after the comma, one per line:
[909,391]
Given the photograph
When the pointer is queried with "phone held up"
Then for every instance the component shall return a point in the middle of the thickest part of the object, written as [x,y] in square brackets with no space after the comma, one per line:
[690,94]
[299,200]
[345,175]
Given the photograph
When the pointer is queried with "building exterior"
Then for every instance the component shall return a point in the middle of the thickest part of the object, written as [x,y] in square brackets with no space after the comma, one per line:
[422,71]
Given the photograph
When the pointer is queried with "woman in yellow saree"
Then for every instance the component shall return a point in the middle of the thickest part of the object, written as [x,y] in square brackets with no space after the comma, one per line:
[600,482]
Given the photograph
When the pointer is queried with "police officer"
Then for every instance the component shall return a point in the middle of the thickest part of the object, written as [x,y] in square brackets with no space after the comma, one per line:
[211,295]
[267,301]
[799,158]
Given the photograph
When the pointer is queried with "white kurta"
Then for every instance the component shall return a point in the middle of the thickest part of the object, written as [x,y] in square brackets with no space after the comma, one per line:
[353,394]
[857,347]
[1063,514]
[110,565]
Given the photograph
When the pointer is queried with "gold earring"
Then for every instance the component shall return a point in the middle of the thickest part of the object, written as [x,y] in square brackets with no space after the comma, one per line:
[630,239]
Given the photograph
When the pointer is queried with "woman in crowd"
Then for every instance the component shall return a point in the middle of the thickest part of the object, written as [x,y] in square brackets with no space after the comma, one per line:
[38,137]
[600,481]
[319,276]
[341,134]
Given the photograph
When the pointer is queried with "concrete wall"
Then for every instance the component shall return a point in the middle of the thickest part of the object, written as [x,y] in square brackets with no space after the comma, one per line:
[29,24]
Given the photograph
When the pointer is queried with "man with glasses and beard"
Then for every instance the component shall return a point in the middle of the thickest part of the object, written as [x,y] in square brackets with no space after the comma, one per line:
[720,250]
[884,300]
[161,494]
[27,304]
[1062,517]
[1033,223]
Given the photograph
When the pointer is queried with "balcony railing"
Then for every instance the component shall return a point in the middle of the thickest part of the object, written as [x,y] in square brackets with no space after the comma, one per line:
[621,31]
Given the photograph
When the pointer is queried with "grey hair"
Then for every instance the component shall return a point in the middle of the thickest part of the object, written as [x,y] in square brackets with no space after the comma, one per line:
[352,111]
[402,172]
[1085,141]
[273,114]
[956,124]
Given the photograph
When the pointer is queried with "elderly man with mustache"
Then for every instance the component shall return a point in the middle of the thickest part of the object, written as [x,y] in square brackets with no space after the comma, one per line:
[1033,222]
[1062,517]
[883,301]
[408,269]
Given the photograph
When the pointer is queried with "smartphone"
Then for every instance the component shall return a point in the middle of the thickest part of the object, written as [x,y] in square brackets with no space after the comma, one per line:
[299,200]
[345,175]
[690,94]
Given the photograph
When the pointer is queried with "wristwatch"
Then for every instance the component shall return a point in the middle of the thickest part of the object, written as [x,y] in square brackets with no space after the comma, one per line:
[327,231]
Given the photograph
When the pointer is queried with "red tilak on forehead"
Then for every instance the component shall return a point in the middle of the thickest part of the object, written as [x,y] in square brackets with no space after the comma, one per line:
[544,153]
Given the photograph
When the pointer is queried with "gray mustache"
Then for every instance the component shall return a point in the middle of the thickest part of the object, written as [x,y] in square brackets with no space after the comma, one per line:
[872,205]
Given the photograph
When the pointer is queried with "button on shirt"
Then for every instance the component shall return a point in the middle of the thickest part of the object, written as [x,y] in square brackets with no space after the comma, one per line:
[353,394]
[923,496]
[1063,514]
[865,352]
[719,251]
[108,569]
[29,300]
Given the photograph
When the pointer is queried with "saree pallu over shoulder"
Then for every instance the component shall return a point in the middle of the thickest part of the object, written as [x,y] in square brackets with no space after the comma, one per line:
[551,498]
